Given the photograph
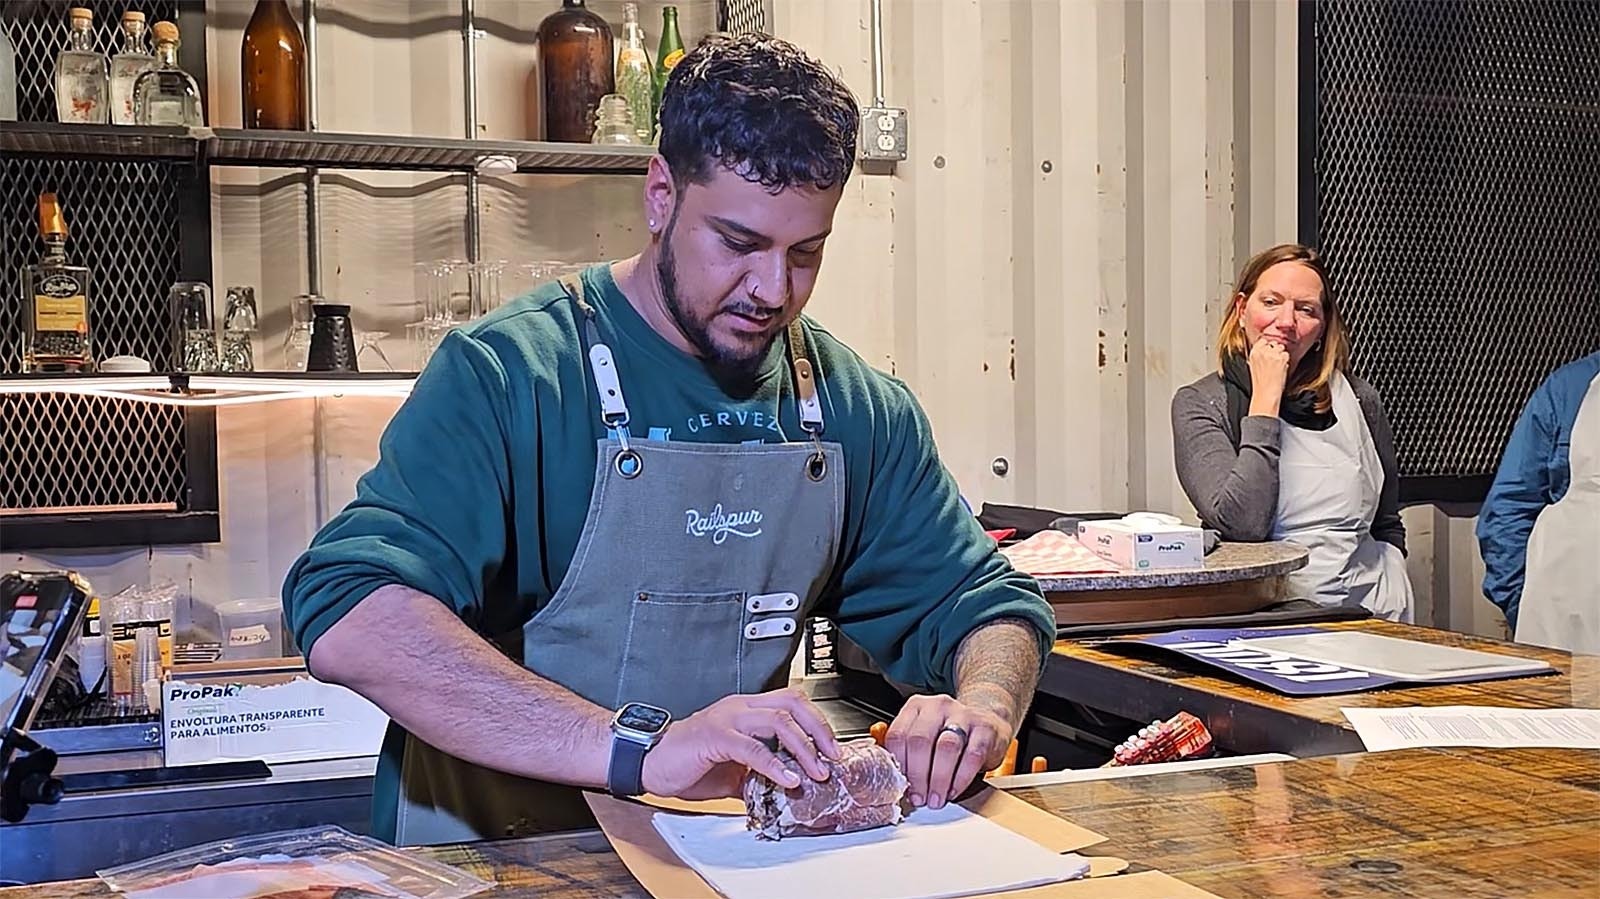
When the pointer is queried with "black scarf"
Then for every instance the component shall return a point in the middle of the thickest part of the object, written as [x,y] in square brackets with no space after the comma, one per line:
[1299,410]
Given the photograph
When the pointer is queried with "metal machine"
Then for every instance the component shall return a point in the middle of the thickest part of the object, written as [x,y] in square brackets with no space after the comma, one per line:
[39,613]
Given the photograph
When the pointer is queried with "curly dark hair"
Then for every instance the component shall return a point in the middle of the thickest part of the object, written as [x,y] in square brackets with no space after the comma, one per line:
[760,107]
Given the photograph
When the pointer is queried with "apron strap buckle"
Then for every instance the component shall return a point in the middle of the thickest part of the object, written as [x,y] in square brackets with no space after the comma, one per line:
[629,463]
[817,465]
[617,424]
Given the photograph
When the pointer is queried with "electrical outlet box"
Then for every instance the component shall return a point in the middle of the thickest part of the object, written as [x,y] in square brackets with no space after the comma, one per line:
[883,133]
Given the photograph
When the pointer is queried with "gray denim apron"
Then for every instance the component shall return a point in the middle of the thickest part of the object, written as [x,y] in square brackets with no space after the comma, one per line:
[696,568]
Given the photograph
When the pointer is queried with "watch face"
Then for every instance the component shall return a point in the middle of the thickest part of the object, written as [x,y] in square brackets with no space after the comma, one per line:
[641,717]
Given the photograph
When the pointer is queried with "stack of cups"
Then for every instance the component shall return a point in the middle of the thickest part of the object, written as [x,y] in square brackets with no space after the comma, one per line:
[92,662]
[146,665]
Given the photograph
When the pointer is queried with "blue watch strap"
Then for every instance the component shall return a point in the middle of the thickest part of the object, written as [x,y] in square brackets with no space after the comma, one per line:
[625,775]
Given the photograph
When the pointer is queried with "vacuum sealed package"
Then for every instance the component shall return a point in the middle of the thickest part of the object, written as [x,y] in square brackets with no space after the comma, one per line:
[311,863]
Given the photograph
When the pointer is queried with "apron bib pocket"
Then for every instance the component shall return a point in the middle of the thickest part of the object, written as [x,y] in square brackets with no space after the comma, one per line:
[705,627]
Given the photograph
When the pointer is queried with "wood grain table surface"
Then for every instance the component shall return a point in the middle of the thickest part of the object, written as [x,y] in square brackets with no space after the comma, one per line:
[1416,823]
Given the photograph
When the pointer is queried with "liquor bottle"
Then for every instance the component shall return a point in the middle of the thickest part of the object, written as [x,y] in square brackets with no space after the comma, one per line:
[272,66]
[134,60]
[167,95]
[669,54]
[81,79]
[55,299]
[576,62]
[8,79]
[635,80]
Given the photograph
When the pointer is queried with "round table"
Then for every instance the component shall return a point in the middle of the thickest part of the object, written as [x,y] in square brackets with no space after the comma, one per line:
[1236,578]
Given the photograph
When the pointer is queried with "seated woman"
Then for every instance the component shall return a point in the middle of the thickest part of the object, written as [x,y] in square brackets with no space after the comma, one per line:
[1284,443]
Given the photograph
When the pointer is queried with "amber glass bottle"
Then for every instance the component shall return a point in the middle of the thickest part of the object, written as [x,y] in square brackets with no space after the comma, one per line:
[272,65]
[576,60]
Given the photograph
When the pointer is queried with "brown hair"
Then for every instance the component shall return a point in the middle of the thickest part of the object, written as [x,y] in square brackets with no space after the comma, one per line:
[1332,352]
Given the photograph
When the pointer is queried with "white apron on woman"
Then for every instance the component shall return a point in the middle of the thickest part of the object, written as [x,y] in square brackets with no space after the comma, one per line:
[1560,605]
[1329,484]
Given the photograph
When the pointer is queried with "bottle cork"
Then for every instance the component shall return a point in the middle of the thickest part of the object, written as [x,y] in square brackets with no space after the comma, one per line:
[79,12]
[51,222]
[133,16]
[165,31]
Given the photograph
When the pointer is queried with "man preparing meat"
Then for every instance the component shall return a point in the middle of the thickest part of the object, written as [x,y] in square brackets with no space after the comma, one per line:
[597,524]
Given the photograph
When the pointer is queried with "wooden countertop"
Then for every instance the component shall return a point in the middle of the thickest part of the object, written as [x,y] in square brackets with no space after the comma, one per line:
[1228,563]
[1147,684]
[1400,824]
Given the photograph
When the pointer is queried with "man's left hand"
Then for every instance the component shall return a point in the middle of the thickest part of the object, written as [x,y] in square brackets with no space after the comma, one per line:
[942,743]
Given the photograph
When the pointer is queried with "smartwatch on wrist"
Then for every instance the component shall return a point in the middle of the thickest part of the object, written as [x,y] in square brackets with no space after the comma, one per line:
[635,729]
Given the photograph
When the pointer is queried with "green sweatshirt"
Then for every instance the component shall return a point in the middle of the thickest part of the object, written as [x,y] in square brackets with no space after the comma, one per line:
[485,472]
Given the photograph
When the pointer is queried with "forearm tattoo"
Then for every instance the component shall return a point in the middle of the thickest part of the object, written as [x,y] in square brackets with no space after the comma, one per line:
[997,668]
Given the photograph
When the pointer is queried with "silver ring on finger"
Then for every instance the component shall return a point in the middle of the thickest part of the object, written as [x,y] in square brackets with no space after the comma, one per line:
[956,729]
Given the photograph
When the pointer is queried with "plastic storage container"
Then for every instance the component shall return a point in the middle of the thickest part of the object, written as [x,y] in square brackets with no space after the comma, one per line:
[315,861]
[246,628]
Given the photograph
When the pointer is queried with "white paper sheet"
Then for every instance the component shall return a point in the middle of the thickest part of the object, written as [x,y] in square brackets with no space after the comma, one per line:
[1460,725]
[931,855]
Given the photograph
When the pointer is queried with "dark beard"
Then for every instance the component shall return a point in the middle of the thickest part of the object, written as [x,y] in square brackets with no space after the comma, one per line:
[730,370]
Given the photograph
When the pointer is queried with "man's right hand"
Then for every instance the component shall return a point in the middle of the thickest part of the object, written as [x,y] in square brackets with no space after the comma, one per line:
[705,755]
[1269,375]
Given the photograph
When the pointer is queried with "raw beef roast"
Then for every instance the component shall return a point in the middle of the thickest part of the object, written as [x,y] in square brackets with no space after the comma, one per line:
[864,789]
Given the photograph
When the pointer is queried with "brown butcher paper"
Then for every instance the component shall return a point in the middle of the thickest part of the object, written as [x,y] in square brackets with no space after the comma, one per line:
[629,828]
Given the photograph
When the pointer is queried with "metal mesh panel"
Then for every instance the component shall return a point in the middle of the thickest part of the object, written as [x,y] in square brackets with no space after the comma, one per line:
[84,451]
[1458,207]
[741,16]
[122,218]
[122,222]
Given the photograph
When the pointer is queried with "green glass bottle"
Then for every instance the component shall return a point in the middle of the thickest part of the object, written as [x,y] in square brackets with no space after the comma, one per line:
[669,54]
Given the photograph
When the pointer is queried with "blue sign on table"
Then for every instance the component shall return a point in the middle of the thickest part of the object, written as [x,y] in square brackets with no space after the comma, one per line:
[1285,672]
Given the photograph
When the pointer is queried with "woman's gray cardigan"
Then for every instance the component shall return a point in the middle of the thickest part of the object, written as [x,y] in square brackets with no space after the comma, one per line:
[1236,491]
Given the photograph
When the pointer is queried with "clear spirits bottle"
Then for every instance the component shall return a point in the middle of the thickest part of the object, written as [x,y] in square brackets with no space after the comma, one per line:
[635,80]
[55,299]
[134,60]
[167,95]
[81,80]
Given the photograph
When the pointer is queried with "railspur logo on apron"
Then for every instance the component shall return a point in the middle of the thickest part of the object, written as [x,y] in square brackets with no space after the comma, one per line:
[719,524]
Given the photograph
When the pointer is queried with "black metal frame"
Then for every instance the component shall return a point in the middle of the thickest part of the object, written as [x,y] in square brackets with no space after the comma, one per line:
[1310,108]
[199,520]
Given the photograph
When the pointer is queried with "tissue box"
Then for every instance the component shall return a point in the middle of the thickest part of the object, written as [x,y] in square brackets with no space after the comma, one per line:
[1143,545]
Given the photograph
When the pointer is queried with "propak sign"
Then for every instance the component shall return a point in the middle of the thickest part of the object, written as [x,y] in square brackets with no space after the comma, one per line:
[297,720]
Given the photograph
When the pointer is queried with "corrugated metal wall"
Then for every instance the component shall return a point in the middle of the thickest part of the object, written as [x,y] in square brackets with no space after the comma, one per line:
[1046,267]
[1044,270]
